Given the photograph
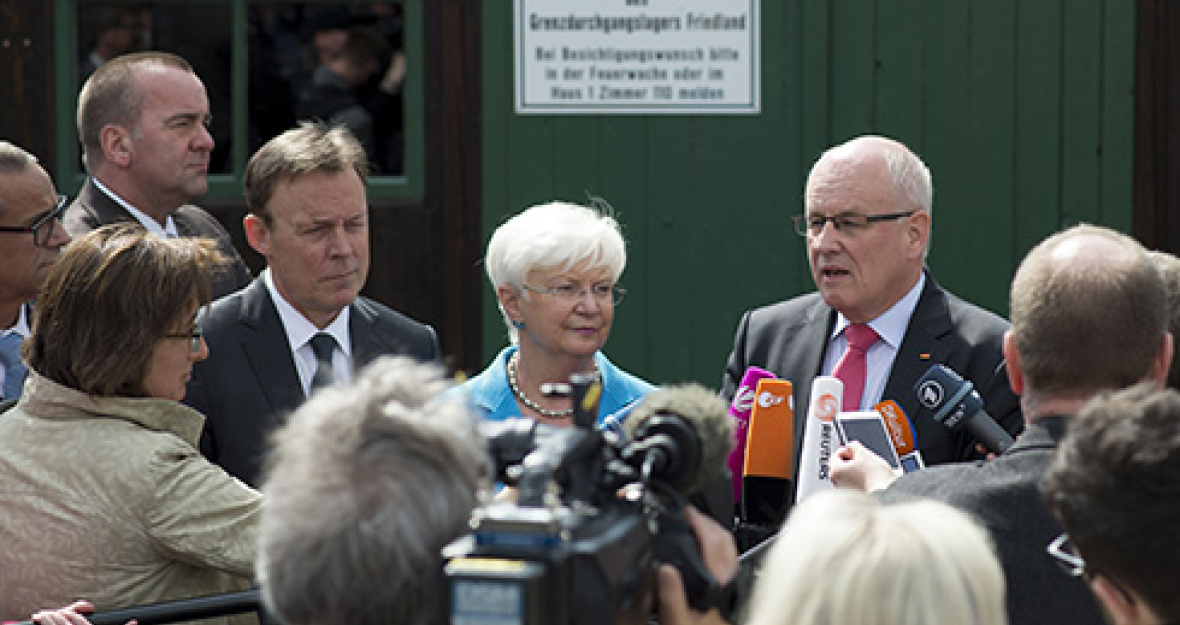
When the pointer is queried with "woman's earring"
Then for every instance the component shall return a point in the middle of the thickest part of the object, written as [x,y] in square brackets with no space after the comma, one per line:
[517,324]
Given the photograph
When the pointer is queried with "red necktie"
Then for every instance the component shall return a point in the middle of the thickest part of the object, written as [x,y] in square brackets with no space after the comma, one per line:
[852,366]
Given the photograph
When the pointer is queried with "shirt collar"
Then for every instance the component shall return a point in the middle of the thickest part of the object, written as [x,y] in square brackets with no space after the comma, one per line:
[299,329]
[151,225]
[21,326]
[890,326]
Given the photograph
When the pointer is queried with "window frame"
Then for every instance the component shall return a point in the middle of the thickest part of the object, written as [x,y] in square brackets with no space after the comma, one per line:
[406,187]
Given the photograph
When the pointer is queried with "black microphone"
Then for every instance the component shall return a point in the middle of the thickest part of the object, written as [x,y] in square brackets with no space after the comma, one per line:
[192,609]
[955,404]
[681,436]
[685,434]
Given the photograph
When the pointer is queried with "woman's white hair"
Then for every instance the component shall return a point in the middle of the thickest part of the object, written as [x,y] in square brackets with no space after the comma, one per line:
[843,557]
[556,235]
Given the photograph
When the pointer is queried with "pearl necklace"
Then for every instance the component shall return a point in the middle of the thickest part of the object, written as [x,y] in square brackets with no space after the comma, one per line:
[545,412]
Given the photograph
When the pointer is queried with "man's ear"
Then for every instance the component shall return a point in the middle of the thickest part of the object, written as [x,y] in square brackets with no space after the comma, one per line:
[117,146]
[1123,606]
[1012,364]
[1163,360]
[257,233]
[918,231]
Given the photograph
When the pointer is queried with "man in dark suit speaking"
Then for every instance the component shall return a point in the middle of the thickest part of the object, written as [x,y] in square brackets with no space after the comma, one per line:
[1089,314]
[867,225]
[302,323]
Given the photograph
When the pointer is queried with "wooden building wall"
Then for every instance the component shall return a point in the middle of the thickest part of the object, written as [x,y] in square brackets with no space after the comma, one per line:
[1024,111]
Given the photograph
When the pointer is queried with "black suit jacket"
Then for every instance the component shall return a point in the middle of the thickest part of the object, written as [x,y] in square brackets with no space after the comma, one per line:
[1004,496]
[248,384]
[789,339]
[93,209]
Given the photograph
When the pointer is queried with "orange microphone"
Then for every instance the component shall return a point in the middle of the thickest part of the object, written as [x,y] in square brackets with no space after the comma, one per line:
[770,454]
[901,432]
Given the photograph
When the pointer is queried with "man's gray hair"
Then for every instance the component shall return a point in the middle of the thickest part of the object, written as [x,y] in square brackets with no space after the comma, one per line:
[365,485]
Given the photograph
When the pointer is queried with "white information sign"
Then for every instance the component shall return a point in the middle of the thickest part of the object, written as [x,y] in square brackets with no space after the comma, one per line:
[636,56]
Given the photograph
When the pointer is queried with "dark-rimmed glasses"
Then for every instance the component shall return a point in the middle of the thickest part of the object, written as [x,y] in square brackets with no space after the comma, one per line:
[1067,556]
[571,295]
[44,228]
[193,335]
[848,223]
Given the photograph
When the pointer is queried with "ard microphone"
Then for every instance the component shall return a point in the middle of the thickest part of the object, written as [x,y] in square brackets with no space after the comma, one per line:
[955,404]
[739,411]
[770,454]
[683,434]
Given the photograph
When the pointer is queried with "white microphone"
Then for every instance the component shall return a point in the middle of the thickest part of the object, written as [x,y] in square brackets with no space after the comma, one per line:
[819,436]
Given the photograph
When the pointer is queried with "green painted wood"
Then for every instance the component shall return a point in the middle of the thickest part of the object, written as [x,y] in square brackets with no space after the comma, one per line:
[1021,109]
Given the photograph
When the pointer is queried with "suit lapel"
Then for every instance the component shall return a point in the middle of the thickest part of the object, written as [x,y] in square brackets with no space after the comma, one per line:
[106,210]
[810,341]
[923,346]
[265,345]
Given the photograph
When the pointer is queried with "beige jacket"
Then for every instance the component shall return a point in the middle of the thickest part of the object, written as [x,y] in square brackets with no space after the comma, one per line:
[108,499]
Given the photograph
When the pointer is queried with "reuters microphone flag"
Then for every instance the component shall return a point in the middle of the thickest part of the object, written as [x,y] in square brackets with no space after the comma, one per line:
[743,403]
[819,436]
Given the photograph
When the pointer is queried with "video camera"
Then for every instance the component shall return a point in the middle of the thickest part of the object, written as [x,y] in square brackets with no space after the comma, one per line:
[595,512]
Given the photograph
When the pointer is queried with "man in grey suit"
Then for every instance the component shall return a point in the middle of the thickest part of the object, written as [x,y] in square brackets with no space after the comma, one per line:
[302,323]
[867,227]
[142,121]
[1089,314]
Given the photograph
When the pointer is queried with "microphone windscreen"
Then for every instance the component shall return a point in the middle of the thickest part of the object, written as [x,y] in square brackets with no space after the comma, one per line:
[770,443]
[739,411]
[898,425]
[705,412]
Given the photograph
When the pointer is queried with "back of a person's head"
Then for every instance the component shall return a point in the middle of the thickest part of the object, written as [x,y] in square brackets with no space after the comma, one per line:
[843,557]
[1115,485]
[1089,312]
[365,485]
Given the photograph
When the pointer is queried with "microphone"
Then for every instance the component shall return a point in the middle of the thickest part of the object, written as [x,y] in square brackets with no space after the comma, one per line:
[901,432]
[191,609]
[739,411]
[818,434]
[769,465]
[684,434]
[955,404]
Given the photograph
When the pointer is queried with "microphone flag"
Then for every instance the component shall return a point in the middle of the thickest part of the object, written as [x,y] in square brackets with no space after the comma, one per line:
[819,436]
[743,403]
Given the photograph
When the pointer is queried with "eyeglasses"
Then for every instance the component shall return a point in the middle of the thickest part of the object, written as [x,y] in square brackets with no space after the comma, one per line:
[195,335]
[1067,556]
[848,223]
[571,295]
[45,225]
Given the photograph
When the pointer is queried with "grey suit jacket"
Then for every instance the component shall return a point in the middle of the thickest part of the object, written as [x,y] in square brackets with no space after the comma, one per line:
[248,384]
[93,209]
[789,339]
[1004,496]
